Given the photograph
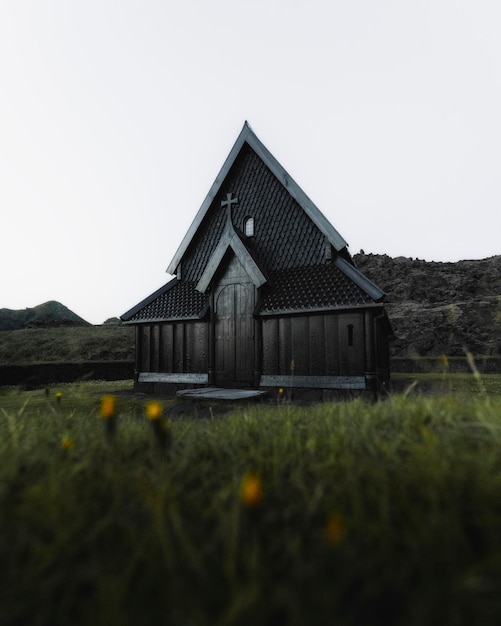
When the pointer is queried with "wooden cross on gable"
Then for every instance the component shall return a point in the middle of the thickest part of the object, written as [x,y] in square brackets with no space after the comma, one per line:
[230,200]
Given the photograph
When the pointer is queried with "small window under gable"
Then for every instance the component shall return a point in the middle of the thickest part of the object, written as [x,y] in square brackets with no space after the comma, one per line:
[249,226]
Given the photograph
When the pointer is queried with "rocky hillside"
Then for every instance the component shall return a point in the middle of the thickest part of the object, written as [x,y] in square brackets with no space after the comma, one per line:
[48,315]
[440,308]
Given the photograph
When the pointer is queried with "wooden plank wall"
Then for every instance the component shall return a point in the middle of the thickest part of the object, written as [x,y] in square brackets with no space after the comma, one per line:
[173,347]
[317,345]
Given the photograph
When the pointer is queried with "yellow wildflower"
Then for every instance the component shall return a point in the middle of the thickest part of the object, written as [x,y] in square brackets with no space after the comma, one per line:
[108,407]
[154,410]
[443,360]
[251,490]
[426,434]
[335,529]
[59,395]
[67,443]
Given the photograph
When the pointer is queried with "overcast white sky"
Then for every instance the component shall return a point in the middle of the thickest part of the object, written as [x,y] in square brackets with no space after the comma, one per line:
[116,116]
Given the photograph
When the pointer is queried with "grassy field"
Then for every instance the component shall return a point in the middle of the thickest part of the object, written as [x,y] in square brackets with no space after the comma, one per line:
[347,514]
[70,345]
[462,384]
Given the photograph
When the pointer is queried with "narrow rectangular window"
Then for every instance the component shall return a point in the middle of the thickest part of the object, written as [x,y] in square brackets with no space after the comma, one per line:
[350,334]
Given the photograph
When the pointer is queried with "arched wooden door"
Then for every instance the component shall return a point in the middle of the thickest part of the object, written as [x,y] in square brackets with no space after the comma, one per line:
[234,334]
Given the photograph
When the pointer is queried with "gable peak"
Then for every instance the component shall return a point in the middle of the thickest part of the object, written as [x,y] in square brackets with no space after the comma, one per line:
[247,136]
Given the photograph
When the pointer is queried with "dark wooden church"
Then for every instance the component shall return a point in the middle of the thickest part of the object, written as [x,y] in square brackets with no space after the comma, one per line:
[265,294]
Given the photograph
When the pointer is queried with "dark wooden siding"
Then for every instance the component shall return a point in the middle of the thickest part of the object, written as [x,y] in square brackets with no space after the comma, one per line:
[317,337]
[166,353]
[270,345]
[155,348]
[352,343]
[315,345]
[331,345]
[173,347]
[144,342]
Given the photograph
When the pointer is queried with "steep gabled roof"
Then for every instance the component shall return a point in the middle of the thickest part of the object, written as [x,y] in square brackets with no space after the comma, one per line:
[248,137]
[296,256]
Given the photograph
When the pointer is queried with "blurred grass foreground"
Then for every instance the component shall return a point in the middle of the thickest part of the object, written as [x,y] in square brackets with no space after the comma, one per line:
[347,514]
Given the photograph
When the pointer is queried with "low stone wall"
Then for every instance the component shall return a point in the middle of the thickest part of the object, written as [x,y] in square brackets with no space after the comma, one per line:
[32,376]
[453,365]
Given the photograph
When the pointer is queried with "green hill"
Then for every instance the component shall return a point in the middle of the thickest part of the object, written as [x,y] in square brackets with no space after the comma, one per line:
[48,315]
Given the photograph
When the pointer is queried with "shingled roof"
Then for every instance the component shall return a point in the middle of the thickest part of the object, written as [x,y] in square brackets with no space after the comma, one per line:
[176,300]
[323,287]
[298,290]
